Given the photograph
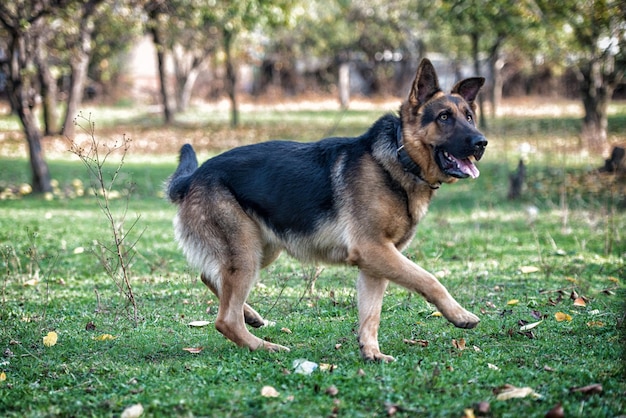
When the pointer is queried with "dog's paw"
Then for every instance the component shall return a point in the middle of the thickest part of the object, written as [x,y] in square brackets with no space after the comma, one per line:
[466,320]
[274,348]
[376,355]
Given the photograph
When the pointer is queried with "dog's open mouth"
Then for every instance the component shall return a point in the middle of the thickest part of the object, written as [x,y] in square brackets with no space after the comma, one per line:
[457,167]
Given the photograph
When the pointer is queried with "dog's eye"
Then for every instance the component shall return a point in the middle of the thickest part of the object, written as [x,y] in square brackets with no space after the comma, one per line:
[444,116]
[469,118]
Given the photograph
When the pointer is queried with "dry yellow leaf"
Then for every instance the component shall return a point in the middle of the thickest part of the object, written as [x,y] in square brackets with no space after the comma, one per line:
[560,316]
[614,279]
[3,376]
[436,313]
[571,279]
[269,392]
[460,344]
[198,323]
[133,411]
[513,302]
[469,413]
[595,324]
[512,392]
[104,337]
[50,339]
[193,350]
[579,302]
[530,326]
[529,269]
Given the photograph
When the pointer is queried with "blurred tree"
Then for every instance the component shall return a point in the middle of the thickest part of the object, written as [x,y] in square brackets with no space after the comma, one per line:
[384,39]
[22,21]
[233,19]
[591,35]
[157,11]
[487,24]
[82,14]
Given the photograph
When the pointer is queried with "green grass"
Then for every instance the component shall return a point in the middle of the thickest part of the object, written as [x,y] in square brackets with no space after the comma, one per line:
[476,241]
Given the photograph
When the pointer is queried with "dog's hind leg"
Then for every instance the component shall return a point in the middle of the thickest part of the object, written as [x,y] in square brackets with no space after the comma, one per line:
[370,293]
[252,317]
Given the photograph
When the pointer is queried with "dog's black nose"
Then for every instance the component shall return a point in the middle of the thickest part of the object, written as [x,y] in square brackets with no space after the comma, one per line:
[478,144]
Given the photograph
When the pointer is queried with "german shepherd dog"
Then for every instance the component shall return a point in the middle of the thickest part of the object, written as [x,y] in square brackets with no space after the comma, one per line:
[354,201]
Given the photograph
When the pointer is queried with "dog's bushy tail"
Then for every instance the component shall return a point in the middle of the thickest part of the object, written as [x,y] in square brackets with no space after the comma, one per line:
[178,184]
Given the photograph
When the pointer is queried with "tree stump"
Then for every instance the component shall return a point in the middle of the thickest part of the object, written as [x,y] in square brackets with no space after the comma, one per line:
[516,181]
[617,162]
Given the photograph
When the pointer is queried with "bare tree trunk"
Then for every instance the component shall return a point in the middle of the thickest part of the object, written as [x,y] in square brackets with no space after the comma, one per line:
[344,85]
[48,88]
[78,78]
[481,102]
[231,78]
[187,68]
[596,94]
[496,63]
[168,116]
[22,97]
[80,64]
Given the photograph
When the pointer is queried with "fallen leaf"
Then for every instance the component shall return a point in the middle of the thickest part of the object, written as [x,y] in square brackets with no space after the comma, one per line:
[512,392]
[573,295]
[560,316]
[477,349]
[193,350]
[332,390]
[595,324]
[530,326]
[3,376]
[198,323]
[548,368]
[614,279]
[50,339]
[325,367]
[436,313]
[513,302]
[468,413]
[460,344]
[556,412]
[529,269]
[422,343]
[104,337]
[482,408]
[493,366]
[269,392]
[536,314]
[337,346]
[579,302]
[133,411]
[571,279]
[31,282]
[285,330]
[589,389]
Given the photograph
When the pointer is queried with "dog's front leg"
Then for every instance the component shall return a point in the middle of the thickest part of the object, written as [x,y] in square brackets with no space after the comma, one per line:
[370,293]
[387,261]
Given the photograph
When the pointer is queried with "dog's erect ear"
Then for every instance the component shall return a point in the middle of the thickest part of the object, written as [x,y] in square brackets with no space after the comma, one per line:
[469,88]
[425,85]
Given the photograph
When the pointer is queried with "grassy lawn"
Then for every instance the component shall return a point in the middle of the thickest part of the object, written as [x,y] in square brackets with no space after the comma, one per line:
[514,263]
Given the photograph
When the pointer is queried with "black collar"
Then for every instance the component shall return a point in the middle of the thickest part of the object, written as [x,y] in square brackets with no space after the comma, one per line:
[407,162]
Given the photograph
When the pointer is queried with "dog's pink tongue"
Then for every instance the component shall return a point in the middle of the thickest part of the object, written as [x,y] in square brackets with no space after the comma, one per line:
[468,167]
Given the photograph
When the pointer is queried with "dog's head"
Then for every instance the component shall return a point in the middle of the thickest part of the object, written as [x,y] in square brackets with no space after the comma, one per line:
[439,130]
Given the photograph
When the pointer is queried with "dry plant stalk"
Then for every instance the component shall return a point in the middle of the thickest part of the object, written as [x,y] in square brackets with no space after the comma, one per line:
[117,256]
